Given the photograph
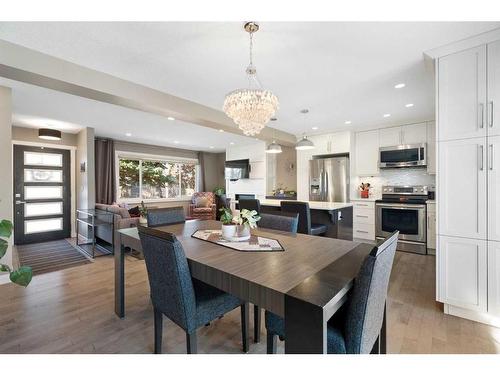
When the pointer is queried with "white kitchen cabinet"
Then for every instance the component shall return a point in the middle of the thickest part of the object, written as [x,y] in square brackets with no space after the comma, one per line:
[431,225]
[390,136]
[414,133]
[494,277]
[493,163]
[462,94]
[332,143]
[431,147]
[462,188]
[494,88]
[462,266]
[367,153]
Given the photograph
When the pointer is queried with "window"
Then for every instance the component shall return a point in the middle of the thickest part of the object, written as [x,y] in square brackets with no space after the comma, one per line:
[155,179]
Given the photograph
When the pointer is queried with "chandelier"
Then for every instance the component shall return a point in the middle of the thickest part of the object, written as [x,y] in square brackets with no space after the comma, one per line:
[251,108]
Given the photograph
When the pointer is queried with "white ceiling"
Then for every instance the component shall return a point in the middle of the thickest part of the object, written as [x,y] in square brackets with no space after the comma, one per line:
[39,107]
[338,70]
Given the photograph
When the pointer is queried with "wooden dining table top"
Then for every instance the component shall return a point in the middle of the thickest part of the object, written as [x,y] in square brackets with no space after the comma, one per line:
[265,276]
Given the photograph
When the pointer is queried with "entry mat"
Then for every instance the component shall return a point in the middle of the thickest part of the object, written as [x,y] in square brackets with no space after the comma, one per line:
[255,243]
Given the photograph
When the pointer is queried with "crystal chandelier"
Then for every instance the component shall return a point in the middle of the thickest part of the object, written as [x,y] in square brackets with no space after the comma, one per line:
[251,108]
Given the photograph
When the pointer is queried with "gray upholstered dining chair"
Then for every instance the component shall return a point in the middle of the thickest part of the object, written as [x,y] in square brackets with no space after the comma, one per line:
[356,328]
[164,216]
[249,204]
[305,226]
[187,302]
[283,221]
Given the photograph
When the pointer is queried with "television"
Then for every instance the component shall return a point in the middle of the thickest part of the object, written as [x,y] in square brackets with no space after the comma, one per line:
[237,169]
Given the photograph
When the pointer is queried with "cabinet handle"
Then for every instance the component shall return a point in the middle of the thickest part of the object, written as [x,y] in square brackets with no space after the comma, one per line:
[490,114]
[360,204]
[362,216]
[361,231]
[491,157]
[481,114]
[481,157]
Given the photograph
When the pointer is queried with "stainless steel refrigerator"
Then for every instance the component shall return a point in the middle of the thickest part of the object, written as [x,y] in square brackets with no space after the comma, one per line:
[329,179]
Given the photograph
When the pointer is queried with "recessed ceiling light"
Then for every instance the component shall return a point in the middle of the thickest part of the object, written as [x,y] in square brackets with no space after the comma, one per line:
[347,122]
[409,105]
[176,142]
[211,146]
[221,130]
[314,128]
[128,134]
[399,86]
[387,115]
[231,143]
[170,118]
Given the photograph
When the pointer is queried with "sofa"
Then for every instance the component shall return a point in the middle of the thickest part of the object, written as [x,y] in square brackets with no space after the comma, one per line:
[121,219]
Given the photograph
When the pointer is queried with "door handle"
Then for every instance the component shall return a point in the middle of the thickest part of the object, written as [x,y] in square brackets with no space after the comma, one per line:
[490,114]
[481,157]
[491,157]
[481,114]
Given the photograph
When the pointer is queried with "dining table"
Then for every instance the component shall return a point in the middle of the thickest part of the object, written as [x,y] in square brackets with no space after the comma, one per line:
[305,283]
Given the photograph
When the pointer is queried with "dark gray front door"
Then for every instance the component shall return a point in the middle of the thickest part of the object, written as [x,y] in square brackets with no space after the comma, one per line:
[42,194]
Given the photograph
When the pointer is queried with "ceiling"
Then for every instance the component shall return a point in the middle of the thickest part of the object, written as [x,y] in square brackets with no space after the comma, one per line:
[40,107]
[340,71]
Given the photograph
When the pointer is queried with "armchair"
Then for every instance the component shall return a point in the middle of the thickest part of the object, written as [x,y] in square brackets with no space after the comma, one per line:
[203,206]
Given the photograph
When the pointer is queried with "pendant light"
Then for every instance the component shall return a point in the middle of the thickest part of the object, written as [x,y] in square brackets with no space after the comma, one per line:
[304,143]
[274,148]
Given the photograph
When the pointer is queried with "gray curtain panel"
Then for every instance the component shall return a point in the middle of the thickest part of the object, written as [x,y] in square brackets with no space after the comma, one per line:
[105,189]
[201,160]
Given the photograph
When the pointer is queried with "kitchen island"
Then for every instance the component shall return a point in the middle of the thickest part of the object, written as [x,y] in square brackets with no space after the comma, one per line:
[336,215]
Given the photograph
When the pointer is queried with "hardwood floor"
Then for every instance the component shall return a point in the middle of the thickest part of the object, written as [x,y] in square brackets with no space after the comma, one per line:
[72,311]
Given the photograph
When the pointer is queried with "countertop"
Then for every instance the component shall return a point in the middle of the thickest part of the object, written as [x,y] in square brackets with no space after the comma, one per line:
[312,204]
[371,199]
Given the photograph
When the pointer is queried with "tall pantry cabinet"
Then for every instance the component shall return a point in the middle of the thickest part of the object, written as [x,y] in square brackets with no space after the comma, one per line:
[468,175]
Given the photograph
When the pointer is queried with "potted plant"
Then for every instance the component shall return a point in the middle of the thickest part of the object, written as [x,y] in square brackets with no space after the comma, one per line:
[144,213]
[245,221]
[22,276]
[228,226]
[365,189]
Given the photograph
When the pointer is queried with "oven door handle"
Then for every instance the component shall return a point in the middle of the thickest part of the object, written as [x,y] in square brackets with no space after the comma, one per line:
[398,206]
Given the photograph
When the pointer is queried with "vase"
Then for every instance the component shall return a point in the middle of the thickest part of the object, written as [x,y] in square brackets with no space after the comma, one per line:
[143,220]
[243,232]
[365,193]
[228,231]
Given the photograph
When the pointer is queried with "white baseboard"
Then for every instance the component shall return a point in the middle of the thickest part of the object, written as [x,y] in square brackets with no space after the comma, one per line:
[4,279]
[477,316]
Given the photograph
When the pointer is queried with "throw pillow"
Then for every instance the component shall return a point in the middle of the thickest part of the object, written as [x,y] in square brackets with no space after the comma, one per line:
[202,202]
[134,212]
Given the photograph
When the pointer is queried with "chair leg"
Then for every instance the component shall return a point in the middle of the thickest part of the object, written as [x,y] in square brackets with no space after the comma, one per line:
[272,343]
[191,343]
[158,325]
[256,323]
[245,326]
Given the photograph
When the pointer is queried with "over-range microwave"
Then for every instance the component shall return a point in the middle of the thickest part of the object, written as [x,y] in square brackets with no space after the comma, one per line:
[403,156]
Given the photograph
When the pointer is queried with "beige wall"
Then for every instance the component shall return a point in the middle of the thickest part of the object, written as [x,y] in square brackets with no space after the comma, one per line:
[6,165]
[214,170]
[155,150]
[282,169]
[31,135]
[85,181]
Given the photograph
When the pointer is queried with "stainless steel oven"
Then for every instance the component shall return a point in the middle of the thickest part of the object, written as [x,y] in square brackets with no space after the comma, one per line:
[403,209]
[414,155]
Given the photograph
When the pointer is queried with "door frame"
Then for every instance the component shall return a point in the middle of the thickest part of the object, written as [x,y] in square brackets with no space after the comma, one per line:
[72,161]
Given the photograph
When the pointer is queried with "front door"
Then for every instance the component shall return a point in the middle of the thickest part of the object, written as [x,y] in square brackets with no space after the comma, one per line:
[42,194]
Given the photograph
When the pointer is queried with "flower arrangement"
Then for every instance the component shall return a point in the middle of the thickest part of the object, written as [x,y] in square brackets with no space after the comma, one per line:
[365,189]
[238,226]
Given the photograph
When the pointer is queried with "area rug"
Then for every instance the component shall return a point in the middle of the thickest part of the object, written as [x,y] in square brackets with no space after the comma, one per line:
[50,256]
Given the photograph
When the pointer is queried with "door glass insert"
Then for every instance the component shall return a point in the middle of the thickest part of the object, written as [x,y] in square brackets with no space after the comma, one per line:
[42,225]
[43,192]
[406,221]
[42,175]
[41,209]
[43,158]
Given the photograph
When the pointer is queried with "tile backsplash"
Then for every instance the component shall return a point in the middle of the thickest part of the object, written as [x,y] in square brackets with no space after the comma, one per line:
[401,176]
